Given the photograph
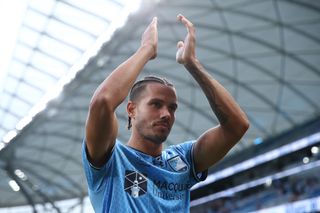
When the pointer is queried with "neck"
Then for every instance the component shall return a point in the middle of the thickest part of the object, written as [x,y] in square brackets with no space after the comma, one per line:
[145,146]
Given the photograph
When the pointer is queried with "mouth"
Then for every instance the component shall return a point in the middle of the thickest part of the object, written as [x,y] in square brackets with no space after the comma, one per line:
[163,125]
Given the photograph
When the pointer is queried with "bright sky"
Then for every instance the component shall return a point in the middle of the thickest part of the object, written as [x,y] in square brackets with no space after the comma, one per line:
[11,15]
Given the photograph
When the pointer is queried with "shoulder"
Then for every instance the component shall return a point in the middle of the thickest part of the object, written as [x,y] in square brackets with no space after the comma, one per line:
[182,147]
[183,150]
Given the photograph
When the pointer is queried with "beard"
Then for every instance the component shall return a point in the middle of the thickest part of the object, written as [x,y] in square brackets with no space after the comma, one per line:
[157,139]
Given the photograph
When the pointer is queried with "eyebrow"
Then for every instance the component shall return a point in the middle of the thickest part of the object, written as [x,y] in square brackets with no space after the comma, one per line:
[160,100]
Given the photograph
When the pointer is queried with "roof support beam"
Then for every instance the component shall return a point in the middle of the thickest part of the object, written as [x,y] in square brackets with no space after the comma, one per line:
[23,190]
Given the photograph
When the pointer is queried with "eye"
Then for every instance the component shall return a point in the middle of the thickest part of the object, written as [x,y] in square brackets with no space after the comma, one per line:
[156,104]
[173,108]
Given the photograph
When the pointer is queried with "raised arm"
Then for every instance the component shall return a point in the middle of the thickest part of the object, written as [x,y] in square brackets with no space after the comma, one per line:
[102,124]
[214,144]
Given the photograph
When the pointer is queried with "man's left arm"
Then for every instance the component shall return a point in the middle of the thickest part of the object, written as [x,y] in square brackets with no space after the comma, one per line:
[215,143]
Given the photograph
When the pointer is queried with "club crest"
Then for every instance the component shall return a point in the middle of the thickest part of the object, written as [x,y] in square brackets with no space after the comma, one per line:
[177,164]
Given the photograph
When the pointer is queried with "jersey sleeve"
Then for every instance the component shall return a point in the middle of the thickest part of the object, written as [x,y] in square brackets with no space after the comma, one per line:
[95,176]
[186,148]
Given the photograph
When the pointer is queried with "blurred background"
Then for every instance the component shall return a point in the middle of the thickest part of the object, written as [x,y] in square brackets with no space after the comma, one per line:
[54,54]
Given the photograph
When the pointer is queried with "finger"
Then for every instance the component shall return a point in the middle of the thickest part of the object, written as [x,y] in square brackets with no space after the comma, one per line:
[154,21]
[185,21]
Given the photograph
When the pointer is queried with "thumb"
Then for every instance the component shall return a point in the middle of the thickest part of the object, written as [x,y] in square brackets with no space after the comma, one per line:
[180,44]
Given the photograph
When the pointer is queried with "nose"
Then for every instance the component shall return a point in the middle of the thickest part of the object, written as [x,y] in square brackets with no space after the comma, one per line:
[165,113]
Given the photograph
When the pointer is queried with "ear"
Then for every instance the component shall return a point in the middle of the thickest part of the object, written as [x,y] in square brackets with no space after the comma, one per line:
[131,109]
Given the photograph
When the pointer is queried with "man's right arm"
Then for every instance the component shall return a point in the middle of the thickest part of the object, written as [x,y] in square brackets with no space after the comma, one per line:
[102,124]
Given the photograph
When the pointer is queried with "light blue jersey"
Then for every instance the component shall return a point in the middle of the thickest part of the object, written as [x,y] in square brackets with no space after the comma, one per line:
[132,181]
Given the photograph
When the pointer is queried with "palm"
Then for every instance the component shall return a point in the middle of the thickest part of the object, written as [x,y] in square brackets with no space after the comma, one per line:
[186,49]
[150,38]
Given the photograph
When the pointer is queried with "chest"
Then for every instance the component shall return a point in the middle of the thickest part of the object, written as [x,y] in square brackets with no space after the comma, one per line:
[166,177]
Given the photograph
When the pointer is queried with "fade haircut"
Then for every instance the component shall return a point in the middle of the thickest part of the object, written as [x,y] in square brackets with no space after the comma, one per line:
[139,87]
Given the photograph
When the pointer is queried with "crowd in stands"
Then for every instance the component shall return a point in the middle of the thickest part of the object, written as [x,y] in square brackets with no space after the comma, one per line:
[281,191]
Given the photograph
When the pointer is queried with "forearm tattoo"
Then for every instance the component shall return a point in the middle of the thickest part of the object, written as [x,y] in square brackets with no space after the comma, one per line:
[217,109]
[204,80]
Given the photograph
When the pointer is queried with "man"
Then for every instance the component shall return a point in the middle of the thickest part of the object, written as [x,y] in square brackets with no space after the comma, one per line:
[140,176]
